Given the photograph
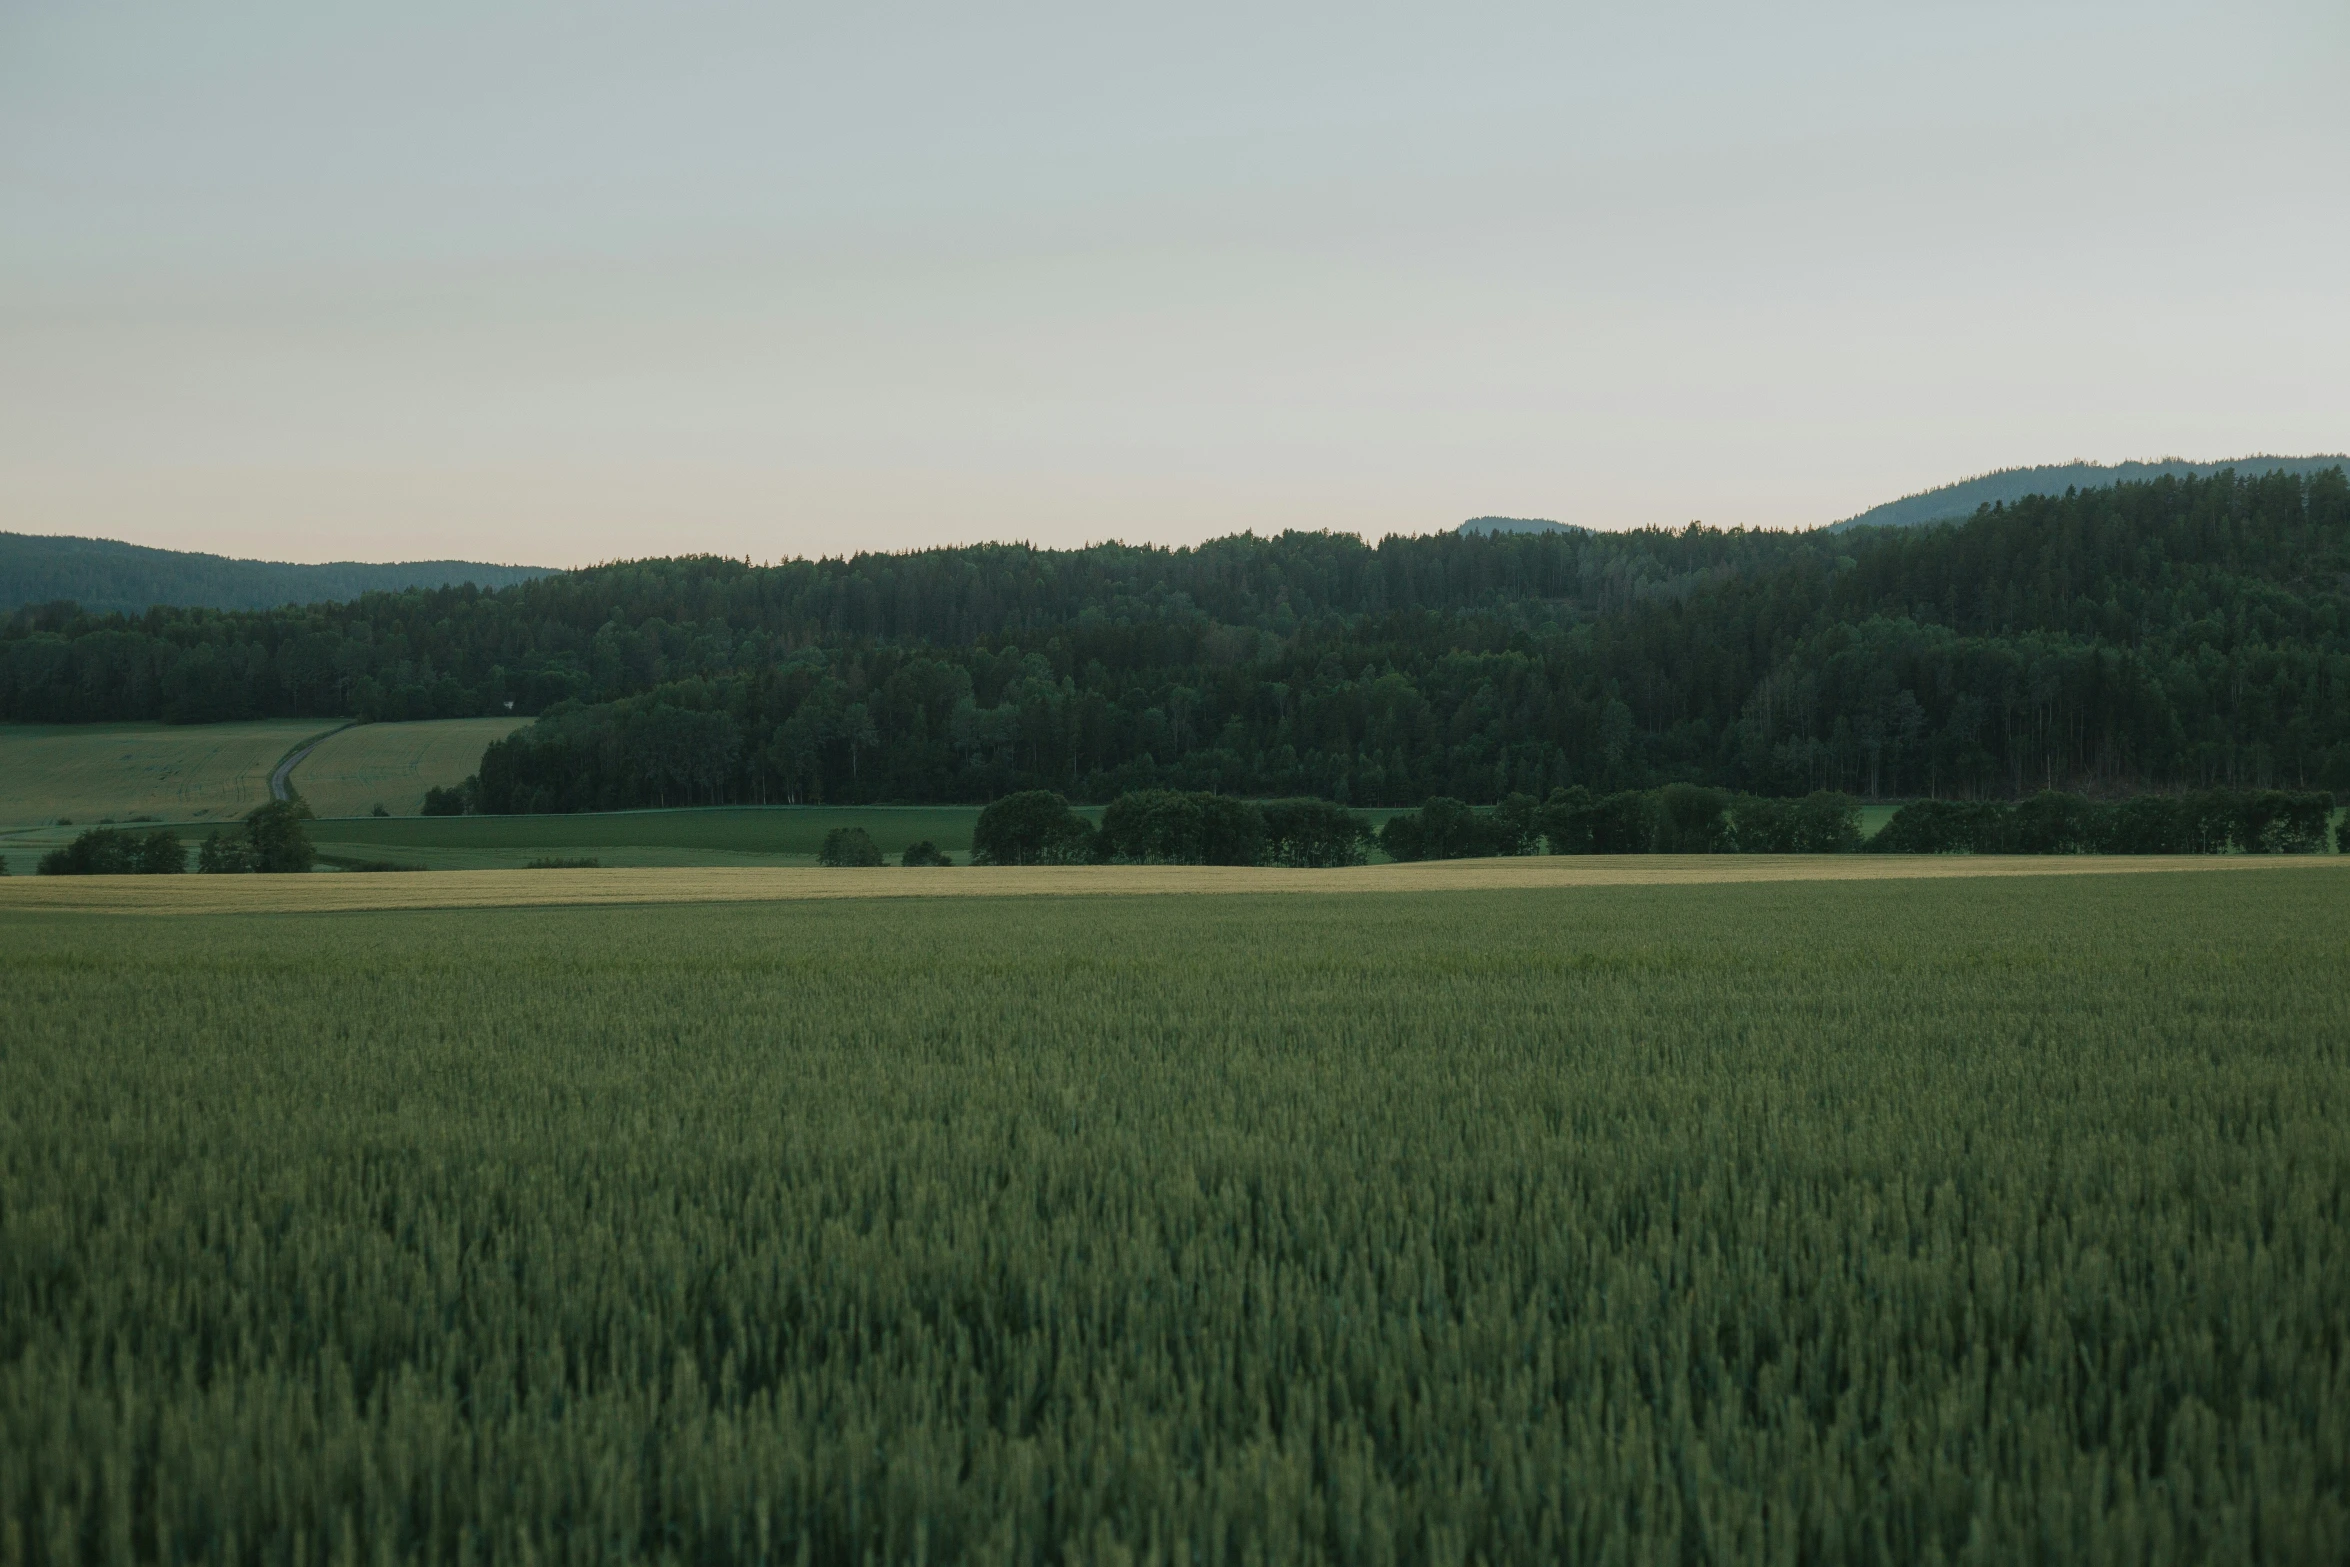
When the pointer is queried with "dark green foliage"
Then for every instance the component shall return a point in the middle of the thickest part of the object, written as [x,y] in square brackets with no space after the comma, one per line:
[1693,820]
[2151,824]
[378,810]
[1940,827]
[558,863]
[849,847]
[455,800]
[1688,819]
[1515,825]
[1821,823]
[2050,823]
[271,840]
[1442,829]
[110,851]
[225,852]
[281,846]
[924,852]
[1311,833]
[2170,636]
[101,575]
[2214,821]
[1034,827]
[1167,827]
[1967,1222]
[1621,823]
[2276,821]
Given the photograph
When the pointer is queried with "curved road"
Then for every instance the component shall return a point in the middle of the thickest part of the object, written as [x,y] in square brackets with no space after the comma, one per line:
[281,782]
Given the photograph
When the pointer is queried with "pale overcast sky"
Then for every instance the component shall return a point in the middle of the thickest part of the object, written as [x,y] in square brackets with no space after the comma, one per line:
[564,282]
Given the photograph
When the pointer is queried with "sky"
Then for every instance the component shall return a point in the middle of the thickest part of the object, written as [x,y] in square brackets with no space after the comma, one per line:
[566,282]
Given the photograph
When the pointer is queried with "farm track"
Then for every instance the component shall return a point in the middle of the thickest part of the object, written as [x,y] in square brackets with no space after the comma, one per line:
[331,893]
[281,780]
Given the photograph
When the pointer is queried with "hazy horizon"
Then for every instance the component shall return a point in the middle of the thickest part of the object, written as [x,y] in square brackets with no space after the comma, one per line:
[553,284]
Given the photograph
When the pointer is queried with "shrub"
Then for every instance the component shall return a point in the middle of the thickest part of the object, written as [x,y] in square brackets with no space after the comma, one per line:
[2050,822]
[1624,823]
[1692,819]
[271,839]
[547,864]
[1515,826]
[1310,833]
[924,853]
[2275,821]
[378,810]
[1941,827]
[1442,829]
[456,800]
[162,854]
[2145,824]
[849,848]
[1565,820]
[110,851]
[226,853]
[1170,827]
[1034,827]
[280,845]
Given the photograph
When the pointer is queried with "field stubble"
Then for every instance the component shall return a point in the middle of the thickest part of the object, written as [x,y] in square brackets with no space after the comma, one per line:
[1984,1220]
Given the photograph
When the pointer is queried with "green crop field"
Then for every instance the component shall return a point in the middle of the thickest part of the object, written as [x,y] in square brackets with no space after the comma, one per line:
[172,772]
[393,764]
[1986,1220]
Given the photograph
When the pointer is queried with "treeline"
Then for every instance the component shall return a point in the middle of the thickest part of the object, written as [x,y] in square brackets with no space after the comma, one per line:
[2175,635]
[271,839]
[1166,827]
[1169,827]
[2212,821]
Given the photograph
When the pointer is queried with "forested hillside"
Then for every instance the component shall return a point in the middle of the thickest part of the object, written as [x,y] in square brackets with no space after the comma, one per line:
[103,575]
[1953,502]
[2180,633]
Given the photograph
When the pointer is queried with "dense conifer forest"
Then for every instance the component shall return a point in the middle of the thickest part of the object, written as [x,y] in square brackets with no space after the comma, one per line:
[2172,635]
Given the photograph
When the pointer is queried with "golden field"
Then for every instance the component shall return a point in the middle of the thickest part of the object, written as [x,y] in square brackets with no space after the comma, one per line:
[328,893]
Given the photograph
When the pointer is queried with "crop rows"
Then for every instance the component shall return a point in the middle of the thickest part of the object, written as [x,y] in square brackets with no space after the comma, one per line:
[1995,1220]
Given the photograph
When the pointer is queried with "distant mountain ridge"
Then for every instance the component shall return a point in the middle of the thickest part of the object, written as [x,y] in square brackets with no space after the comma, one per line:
[1954,502]
[103,576]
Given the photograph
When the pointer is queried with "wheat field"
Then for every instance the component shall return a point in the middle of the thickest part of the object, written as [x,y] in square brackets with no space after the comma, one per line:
[1980,1219]
[705,884]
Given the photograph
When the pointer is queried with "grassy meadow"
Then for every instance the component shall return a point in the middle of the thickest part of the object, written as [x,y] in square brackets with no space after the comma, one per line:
[1985,1219]
[169,772]
[393,764]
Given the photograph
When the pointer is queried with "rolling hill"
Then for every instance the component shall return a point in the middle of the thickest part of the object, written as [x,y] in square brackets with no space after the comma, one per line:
[103,576]
[1955,502]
